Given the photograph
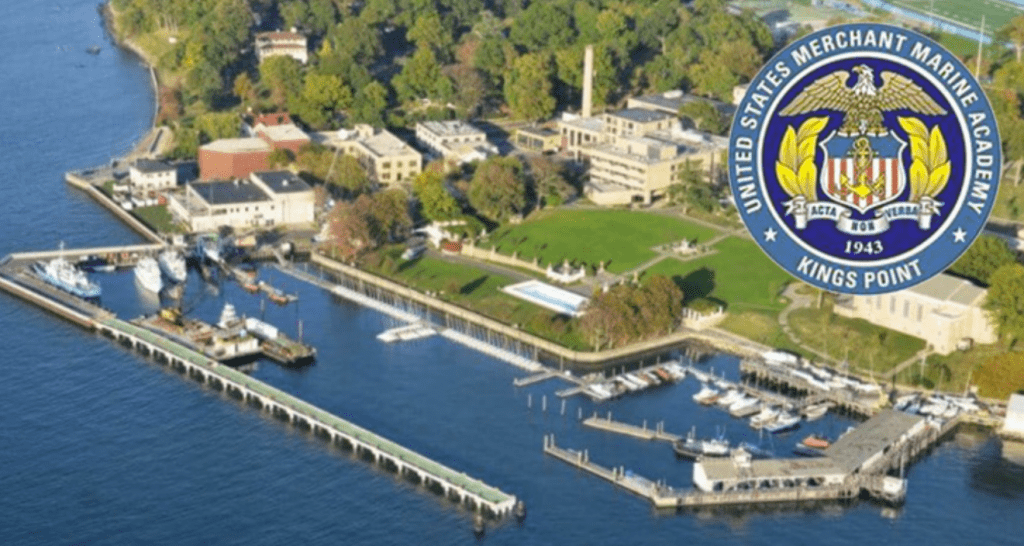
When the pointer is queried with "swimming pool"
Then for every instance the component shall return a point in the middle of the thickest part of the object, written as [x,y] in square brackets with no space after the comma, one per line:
[550,297]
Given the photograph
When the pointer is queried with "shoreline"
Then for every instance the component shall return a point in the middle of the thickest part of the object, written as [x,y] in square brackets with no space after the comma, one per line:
[108,16]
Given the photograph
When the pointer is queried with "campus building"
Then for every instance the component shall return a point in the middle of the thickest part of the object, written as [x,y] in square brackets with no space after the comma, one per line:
[455,141]
[633,155]
[147,175]
[271,44]
[230,158]
[264,200]
[387,159]
[945,311]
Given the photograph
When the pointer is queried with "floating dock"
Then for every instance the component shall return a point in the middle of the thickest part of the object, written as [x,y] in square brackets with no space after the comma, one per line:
[641,432]
[408,332]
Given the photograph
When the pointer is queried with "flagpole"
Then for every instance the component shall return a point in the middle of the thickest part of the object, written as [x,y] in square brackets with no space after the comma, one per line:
[977,62]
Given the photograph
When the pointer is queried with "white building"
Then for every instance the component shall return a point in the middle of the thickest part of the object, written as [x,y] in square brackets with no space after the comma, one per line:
[146,174]
[943,311]
[264,200]
[455,141]
[386,158]
[292,44]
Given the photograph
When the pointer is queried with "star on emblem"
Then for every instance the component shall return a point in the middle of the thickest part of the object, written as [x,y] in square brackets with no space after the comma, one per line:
[769,235]
[959,235]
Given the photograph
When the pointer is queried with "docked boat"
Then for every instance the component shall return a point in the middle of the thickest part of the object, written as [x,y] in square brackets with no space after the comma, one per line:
[208,247]
[706,395]
[147,274]
[764,417]
[756,451]
[815,441]
[806,451]
[691,447]
[172,263]
[731,396]
[94,264]
[816,411]
[904,402]
[744,407]
[62,274]
[783,423]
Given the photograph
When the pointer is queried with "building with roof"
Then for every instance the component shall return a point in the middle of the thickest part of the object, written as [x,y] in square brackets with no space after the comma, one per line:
[264,200]
[538,139]
[271,44]
[456,141]
[286,136]
[147,174]
[943,310]
[386,158]
[860,451]
[635,154]
[229,158]
[670,102]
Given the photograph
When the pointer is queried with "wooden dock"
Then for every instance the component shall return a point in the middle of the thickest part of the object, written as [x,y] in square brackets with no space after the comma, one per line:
[778,378]
[641,432]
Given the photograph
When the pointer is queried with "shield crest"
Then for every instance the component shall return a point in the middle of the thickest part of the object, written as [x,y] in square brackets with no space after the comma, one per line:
[863,171]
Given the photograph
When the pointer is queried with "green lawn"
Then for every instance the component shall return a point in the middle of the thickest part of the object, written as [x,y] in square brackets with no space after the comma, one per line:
[762,327]
[1010,200]
[870,349]
[620,238]
[739,275]
[158,218]
[952,372]
[477,290]
[966,12]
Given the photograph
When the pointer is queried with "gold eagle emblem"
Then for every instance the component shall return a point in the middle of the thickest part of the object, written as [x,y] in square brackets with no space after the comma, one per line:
[863,103]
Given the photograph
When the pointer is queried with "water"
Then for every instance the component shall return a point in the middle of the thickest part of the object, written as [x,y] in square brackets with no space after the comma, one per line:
[100,446]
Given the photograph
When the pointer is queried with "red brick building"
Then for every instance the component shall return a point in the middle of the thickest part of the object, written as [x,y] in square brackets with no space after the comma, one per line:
[231,158]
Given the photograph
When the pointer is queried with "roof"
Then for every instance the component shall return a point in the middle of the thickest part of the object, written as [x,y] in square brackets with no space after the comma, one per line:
[229,192]
[641,115]
[237,145]
[279,35]
[724,468]
[450,128]
[592,124]
[151,166]
[542,132]
[853,449]
[282,133]
[671,101]
[383,143]
[272,118]
[282,181]
[945,287]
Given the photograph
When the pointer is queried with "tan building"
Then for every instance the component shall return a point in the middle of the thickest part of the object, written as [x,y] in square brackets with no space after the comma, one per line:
[386,158]
[264,200]
[633,155]
[146,174]
[944,311]
[292,44]
[538,139]
[455,141]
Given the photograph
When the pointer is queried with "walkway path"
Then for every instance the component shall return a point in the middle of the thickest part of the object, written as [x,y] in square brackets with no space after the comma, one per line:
[799,301]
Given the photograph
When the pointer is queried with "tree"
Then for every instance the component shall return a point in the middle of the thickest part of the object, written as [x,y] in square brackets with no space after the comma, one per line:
[528,88]
[357,40]
[282,76]
[437,204]
[983,258]
[421,77]
[369,104]
[704,115]
[543,25]
[216,125]
[349,176]
[428,31]
[497,189]
[351,228]
[625,313]
[322,96]
[391,214]
[1014,32]
[202,83]
[549,181]
[280,157]
[243,88]
[1005,302]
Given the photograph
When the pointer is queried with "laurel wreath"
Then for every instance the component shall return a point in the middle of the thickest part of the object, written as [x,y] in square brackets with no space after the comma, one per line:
[795,168]
[929,169]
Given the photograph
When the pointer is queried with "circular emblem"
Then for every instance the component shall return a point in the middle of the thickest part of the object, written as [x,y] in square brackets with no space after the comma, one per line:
[864,158]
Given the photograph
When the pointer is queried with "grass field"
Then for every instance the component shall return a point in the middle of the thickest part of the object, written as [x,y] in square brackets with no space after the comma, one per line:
[622,239]
[1010,201]
[739,275]
[474,289]
[966,12]
[870,349]
[158,218]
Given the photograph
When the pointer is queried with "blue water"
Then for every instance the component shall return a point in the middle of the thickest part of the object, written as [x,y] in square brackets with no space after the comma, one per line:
[100,446]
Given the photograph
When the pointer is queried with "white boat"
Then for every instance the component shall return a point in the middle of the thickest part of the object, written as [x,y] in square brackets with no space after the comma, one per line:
[934,408]
[780,358]
[147,274]
[767,415]
[745,406]
[676,371]
[62,274]
[904,401]
[816,411]
[706,395]
[208,246]
[730,396]
[691,447]
[784,422]
[172,263]
[627,384]
[951,411]
[638,380]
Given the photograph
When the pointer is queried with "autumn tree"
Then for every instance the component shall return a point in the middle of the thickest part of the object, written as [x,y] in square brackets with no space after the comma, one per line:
[549,181]
[497,189]
[625,313]
[1005,302]
[348,175]
[282,76]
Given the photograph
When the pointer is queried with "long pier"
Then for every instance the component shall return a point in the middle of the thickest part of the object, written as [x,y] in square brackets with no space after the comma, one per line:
[453,484]
[626,429]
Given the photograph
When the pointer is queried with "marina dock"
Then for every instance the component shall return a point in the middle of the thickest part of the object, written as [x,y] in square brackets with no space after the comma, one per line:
[176,354]
[641,432]
[408,332]
[864,404]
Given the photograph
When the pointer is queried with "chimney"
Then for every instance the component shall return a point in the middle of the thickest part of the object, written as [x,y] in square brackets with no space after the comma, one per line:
[588,80]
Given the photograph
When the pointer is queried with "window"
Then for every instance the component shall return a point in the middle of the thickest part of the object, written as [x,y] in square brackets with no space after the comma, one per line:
[906,309]
[920,312]
[892,304]
[385,165]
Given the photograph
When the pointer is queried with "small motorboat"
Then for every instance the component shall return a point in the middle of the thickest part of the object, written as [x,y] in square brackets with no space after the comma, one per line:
[731,396]
[783,423]
[745,406]
[764,417]
[815,441]
[691,447]
[756,451]
[706,395]
[816,411]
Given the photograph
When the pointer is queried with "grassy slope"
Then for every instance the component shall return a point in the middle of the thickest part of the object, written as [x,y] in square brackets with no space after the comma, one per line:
[622,239]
